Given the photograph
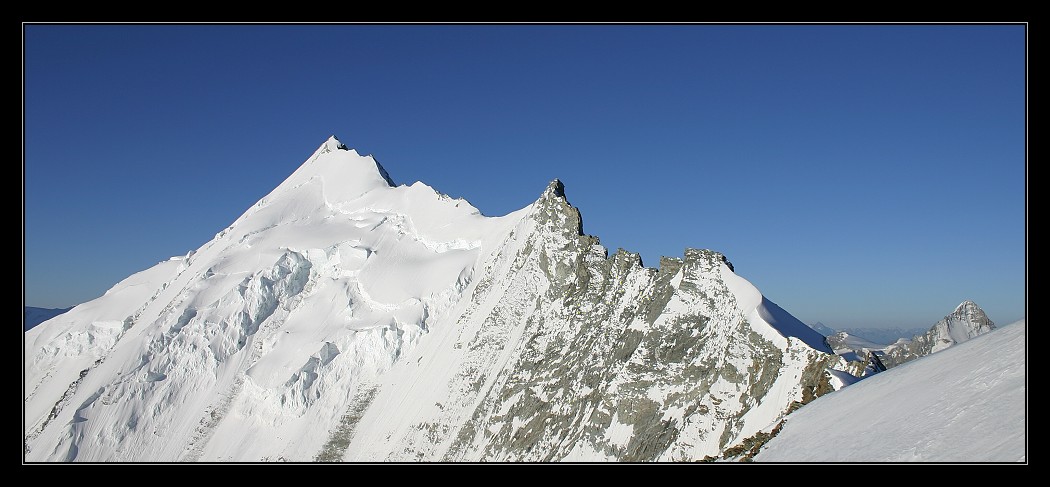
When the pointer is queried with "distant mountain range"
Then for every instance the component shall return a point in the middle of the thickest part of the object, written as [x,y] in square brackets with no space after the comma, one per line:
[34,316]
[964,323]
[884,336]
[881,336]
[823,329]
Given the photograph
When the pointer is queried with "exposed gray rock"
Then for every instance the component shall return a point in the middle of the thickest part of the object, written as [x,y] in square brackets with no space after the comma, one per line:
[586,356]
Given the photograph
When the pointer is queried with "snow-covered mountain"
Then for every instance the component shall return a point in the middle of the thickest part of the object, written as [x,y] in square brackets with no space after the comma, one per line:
[345,318]
[876,336]
[966,322]
[33,316]
[965,404]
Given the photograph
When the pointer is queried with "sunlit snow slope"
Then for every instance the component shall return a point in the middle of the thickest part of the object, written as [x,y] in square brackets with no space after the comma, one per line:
[344,318]
[963,404]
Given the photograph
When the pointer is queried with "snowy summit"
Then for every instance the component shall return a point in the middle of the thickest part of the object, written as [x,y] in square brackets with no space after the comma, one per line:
[343,318]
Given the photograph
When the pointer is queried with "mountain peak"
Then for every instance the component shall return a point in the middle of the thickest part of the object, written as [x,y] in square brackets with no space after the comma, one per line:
[554,190]
[971,318]
[966,322]
[554,208]
[334,144]
[970,312]
[967,306]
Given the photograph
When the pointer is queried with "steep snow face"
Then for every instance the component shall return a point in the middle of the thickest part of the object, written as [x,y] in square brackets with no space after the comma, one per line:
[344,318]
[965,404]
[263,333]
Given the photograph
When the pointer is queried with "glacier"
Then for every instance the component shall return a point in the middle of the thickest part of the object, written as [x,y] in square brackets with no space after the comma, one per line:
[344,318]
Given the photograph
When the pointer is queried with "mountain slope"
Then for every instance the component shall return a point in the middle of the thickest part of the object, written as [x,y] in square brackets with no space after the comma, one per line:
[965,404]
[344,318]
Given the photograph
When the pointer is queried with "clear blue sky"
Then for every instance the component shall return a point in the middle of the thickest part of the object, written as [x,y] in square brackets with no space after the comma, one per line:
[858,175]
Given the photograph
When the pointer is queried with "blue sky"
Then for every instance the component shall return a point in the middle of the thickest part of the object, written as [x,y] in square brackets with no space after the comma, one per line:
[859,175]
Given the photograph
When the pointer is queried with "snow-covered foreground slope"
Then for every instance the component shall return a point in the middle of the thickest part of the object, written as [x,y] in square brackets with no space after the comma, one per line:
[964,404]
[344,318]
